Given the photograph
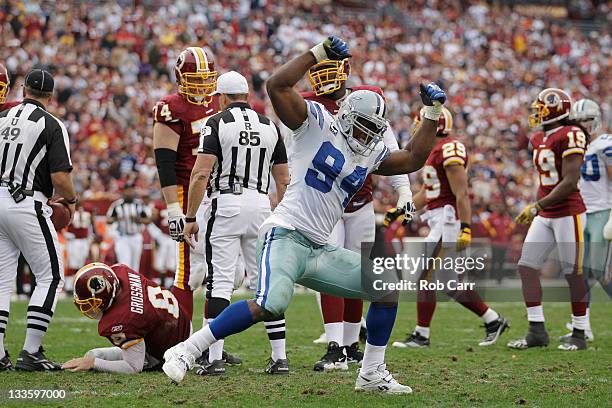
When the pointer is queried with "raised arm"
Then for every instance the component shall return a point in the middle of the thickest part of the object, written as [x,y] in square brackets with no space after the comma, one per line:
[288,104]
[414,155]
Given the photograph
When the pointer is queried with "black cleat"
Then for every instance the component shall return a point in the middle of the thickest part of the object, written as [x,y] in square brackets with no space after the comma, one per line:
[414,340]
[494,330]
[215,368]
[334,359]
[278,367]
[537,336]
[35,362]
[228,359]
[5,363]
[576,341]
[353,354]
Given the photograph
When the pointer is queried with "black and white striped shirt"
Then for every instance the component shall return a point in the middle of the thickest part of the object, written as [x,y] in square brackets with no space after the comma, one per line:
[33,144]
[246,144]
[128,215]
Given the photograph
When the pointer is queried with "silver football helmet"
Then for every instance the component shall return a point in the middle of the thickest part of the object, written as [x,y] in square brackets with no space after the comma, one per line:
[361,119]
[587,110]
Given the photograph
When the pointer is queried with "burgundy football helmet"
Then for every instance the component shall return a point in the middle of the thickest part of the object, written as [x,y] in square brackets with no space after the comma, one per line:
[4,84]
[328,76]
[552,105]
[445,122]
[95,289]
[195,75]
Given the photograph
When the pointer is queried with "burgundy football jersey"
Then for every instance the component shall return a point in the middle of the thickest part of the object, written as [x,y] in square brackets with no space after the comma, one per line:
[185,119]
[438,192]
[143,310]
[548,154]
[8,105]
[363,196]
[80,225]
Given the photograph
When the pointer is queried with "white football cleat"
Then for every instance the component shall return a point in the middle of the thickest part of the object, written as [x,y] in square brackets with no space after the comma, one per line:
[177,362]
[380,380]
[321,340]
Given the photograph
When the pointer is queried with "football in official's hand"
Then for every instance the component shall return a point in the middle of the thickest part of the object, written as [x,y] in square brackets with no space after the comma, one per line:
[61,216]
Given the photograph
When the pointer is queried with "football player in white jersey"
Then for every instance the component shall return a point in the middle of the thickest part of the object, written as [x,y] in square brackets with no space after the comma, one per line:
[331,158]
[596,189]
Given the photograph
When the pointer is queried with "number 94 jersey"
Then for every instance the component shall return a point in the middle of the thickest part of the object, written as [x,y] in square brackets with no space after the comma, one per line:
[143,310]
[549,150]
[325,174]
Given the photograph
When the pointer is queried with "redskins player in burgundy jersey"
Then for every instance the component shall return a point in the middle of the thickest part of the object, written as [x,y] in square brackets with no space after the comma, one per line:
[556,219]
[140,318]
[5,86]
[178,118]
[342,317]
[445,196]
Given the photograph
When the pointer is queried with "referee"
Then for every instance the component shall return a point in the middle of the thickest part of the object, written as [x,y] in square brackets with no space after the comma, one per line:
[128,215]
[239,150]
[34,164]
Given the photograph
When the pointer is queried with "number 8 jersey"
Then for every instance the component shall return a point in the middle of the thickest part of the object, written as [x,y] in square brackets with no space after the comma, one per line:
[448,151]
[325,174]
[549,149]
[143,310]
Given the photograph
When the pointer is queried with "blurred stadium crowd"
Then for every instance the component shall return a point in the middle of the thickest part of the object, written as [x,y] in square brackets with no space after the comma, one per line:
[113,60]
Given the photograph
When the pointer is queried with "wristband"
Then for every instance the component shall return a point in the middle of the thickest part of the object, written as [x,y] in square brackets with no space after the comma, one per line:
[319,53]
[465,225]
[190,219]
[433,112]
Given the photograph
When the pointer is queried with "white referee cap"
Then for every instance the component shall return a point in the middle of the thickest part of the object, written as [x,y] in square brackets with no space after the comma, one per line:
[232,83]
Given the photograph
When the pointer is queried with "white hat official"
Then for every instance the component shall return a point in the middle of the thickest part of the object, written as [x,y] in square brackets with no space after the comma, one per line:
[232,83]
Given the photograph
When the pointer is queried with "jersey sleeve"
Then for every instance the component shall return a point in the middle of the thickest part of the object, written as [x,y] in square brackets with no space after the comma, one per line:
[162,113]
[452,153]
[315,118]
[209,138]
[607,155]
[381,156]
[279,156]
[120,333]
[571,142]
[58,148]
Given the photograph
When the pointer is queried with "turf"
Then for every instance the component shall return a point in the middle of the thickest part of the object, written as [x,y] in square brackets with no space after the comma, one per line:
[454,372]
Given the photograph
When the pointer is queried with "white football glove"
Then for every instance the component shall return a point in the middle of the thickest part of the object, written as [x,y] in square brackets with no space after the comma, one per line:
[176,221]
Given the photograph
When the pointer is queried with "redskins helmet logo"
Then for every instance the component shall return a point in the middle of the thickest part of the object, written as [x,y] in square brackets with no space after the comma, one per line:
[96,284]
[181,60]
[552,100]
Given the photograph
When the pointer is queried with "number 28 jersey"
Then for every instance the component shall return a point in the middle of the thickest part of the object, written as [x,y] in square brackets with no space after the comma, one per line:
[143,310]
[325,175]
[448,151]
[549,150]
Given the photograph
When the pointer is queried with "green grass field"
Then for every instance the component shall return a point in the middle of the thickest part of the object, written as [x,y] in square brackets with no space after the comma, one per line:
[454,372]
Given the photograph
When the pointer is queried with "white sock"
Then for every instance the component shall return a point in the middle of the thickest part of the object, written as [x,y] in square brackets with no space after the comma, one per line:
[588,320]
[333,331]
[351,333]
[33,340]
[3,322]
[2,351]
[490,316]
[199,341]
[580,322]
[423,331]
[278,349]
[373,356]
[215,350]
[535,313]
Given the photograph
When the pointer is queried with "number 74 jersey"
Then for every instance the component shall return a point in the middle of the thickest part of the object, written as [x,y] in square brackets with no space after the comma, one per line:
[143,310]
[549,150]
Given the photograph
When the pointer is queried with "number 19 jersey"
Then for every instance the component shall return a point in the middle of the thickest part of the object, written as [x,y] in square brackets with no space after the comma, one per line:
[325,174]
[549,150]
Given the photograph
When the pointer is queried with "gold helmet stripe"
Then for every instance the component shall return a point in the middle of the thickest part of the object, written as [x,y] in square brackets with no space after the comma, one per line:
[201,58]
